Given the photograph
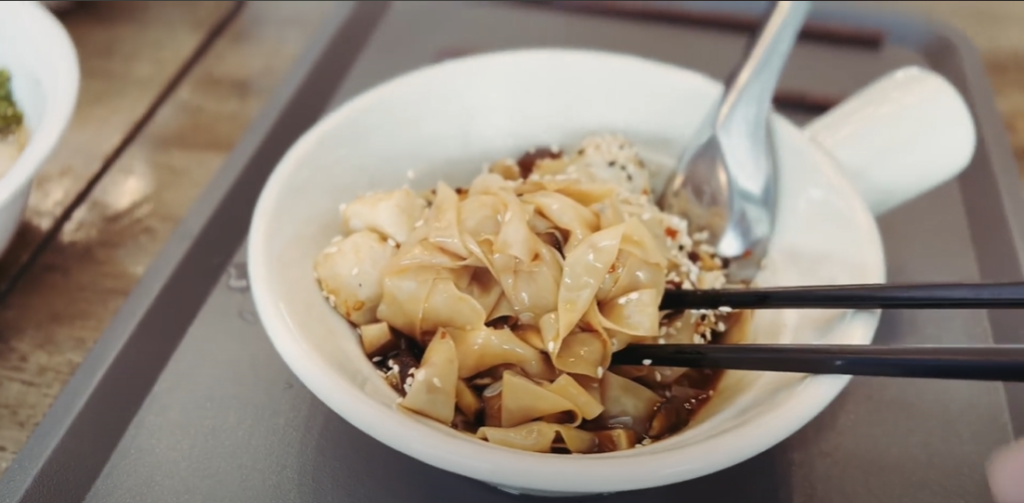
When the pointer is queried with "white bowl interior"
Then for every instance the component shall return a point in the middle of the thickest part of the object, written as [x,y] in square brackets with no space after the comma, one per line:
[41,57]
[444,122]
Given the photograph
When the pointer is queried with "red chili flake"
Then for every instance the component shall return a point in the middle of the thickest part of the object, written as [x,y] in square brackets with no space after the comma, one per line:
[671,233]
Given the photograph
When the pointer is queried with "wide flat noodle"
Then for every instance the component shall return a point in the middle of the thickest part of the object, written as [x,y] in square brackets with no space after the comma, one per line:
[530,286]
[585,268]
[426,254]
[567,387]
[393,214]
[566,214]
[350,272]
[637,239]
[503,308]
[626,403]
[634,314]
[482,348]
[446,306]
[523,400]
[404,295]
[444,221]
[586,353]
[630,273]
[516,238]
[539,436]
[479,216]
[433,389]
[485,289]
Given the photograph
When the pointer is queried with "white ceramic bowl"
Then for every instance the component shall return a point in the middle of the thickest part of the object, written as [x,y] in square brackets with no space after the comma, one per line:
[444,121]
[41,57]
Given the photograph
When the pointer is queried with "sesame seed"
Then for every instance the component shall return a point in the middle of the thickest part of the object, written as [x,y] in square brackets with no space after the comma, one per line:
[335,239]
[377,359]
[399,400]
[725,309]
[600,372]
[332,249]
[392,243]
[657,376]
[355,270]
[332,301]
[720,327]
[647,361]
[551,347]
[437,382]
[647,441]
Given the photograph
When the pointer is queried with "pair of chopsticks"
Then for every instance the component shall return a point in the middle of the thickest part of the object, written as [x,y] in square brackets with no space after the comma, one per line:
[983,363]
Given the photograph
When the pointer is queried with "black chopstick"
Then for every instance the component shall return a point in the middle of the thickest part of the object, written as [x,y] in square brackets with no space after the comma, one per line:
[877,296]
[977,363]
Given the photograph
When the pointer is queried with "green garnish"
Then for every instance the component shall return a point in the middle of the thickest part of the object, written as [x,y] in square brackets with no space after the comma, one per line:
[10,117]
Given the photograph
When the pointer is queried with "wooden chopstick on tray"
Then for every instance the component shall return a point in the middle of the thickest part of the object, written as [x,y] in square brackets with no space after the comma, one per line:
[812,31]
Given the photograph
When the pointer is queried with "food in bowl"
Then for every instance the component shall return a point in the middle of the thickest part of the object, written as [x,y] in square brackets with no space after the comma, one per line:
[496,308]
[13,132]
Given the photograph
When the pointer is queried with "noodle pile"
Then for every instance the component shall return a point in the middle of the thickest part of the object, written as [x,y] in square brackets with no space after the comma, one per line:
[496,309]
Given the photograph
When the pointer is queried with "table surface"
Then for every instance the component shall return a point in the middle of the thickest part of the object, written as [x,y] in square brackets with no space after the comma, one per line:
[168,88]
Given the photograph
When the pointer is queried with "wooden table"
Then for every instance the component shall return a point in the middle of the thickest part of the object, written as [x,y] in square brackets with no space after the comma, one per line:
[167,90]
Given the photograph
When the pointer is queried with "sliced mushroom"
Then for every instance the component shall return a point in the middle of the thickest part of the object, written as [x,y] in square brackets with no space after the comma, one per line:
[670,416]
[401,365]
[619,439]
[492,405]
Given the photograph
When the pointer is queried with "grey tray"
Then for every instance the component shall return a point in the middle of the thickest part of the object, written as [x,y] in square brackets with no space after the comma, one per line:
[184,399]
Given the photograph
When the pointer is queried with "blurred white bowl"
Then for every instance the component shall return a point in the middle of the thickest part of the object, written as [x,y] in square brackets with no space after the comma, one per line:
[43,63]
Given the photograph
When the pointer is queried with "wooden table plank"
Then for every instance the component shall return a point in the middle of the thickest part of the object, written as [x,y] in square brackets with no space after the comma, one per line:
[1006,71]
[52,319]
[128,53]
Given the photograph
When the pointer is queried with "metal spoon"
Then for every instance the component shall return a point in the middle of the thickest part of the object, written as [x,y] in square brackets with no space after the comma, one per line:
[725,184]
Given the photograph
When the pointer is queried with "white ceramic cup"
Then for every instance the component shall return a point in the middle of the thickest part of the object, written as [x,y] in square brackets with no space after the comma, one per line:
[898,138]
[39,53]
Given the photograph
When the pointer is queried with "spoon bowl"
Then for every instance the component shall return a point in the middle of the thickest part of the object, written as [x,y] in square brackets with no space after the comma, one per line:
[725,183]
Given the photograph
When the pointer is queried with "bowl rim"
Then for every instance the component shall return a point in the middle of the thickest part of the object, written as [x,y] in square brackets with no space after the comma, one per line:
[518,469]
[57,49]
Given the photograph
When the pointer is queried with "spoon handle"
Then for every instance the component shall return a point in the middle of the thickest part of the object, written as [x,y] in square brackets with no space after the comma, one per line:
[975,363]
[877,296]
[749,90]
